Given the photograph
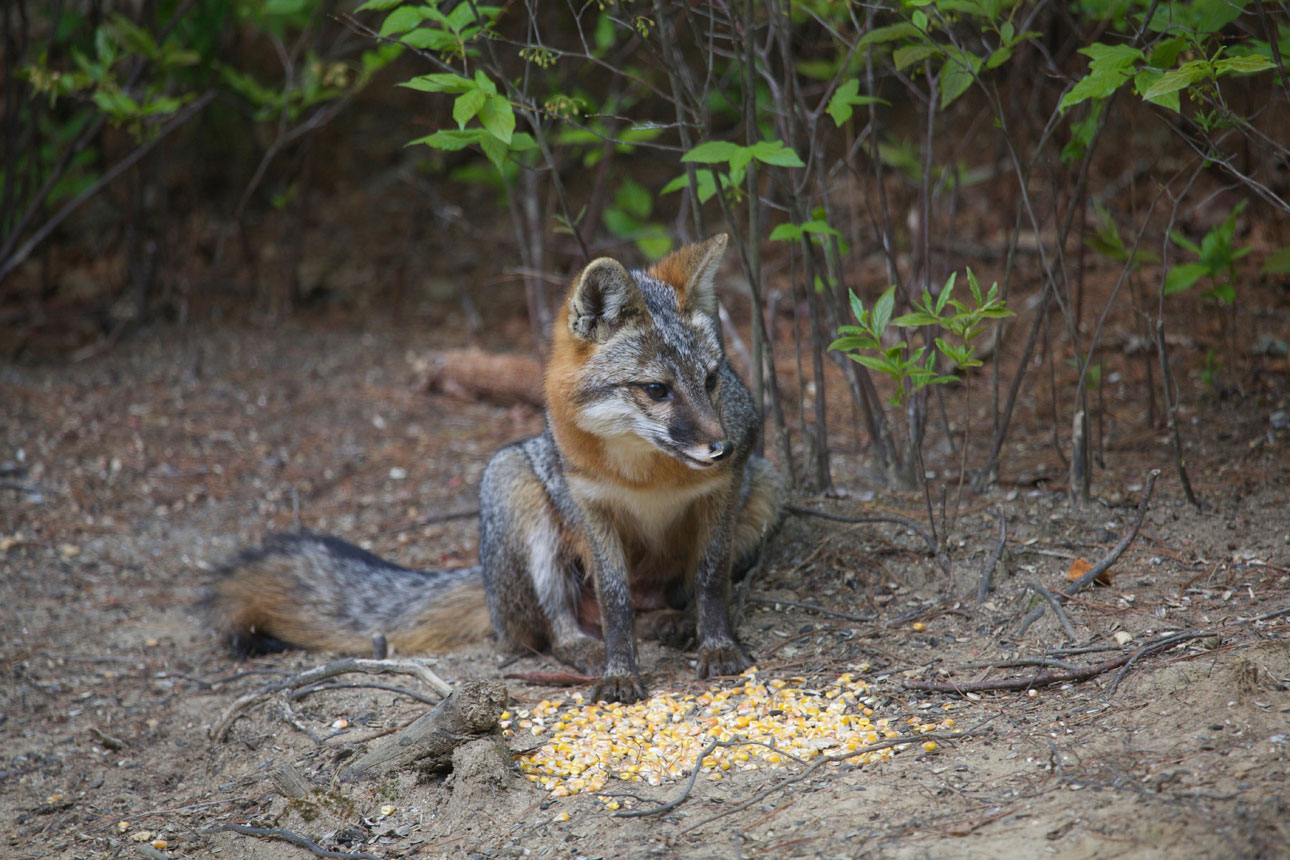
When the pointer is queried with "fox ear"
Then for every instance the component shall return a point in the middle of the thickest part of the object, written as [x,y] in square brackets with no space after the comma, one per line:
[704,260]
[604,297]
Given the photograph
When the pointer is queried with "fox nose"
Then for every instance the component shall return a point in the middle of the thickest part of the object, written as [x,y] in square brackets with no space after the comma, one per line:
[720,450]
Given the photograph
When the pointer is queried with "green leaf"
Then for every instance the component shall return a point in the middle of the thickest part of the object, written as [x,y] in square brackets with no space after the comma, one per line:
[910,54]
[857,307]
[1183,242]
[786,233]
[378,5]
[1246,65]
[999,56]
[891,33]
[427,39]
[439,83]
[1277,263]
[402,20]
[634,198]
[819,228]
[845,98]
[450,139]
[1184,277]
[466,106]
[914,320]
[873,362]
[946,292]
[495,149]
[682,181]
[957,73]
[522,141]
[1166,52]
[776,153]
[498,117]
[482,80]
[853,342]
[1145,79]
[1176,79]
[706,186]
[1111,66]
[712,152]
[882,309]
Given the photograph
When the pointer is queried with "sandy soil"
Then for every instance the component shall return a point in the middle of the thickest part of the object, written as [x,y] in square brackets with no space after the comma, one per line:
[127,476]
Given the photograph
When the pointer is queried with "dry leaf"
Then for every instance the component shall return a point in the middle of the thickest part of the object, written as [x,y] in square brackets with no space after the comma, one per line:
[1081,566]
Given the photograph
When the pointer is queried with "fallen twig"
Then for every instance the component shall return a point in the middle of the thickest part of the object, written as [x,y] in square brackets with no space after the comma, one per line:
[1109,559]
[1047,679]
[913,525]
[389,688]
[329,670]
[294,839]
[1051,600]
[1151,648]
[983,587]
[830,759]
[847,616]
[1017,663]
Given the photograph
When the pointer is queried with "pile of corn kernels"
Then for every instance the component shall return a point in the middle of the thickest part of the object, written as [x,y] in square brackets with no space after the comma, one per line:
[764,724]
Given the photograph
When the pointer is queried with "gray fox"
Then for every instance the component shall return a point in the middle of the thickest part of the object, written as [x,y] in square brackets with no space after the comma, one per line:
[642,494]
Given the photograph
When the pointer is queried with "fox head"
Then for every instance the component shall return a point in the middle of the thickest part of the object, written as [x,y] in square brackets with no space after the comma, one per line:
[637,362]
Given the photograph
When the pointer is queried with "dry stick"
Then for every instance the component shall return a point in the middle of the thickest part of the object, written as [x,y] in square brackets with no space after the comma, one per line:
[1171,413]
[912,525]
[983,588]
[680,798]
[821,762]
[698,766]
[1056,607]
[1159,645]
[21,253]
[1019,662]
[389,688]
[329,670]
[1047,679]
[1109,559]
[770,601]
[294,839]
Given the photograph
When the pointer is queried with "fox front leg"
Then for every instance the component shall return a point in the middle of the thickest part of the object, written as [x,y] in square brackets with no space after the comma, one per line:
[620,681]
[719,651]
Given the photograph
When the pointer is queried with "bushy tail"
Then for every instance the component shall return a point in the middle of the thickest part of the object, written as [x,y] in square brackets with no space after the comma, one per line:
[309,591]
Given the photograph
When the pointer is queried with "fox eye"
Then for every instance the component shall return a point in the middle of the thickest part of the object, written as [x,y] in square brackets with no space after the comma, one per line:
[657,390]
[711,382]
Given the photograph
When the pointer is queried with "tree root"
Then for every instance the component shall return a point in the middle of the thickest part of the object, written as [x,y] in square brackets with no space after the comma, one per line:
[339,667]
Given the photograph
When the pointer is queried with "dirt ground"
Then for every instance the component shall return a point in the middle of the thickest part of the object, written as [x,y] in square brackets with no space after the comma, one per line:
[128,476]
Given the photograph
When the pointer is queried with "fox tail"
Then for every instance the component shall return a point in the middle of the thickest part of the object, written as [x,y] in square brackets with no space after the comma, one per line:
[310,591]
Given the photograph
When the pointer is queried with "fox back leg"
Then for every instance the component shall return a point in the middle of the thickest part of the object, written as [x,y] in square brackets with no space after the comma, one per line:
[532,572]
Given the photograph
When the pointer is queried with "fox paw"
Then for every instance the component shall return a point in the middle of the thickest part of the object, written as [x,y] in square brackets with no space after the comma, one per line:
[618,688]
[585,654]
[723,659]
